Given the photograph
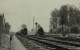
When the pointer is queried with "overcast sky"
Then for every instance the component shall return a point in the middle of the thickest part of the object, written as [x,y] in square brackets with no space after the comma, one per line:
[18,12]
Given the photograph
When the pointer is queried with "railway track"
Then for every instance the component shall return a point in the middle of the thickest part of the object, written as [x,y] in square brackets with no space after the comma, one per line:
[75,39]
[72,43]
[33,45]
[58,44]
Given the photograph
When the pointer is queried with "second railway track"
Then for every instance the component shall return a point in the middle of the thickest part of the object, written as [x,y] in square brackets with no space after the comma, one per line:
[58,44]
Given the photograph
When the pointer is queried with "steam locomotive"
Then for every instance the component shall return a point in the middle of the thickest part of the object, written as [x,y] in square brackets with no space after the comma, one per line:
[22,32]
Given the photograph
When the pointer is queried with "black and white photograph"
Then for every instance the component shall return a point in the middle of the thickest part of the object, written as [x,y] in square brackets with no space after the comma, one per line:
[39,24]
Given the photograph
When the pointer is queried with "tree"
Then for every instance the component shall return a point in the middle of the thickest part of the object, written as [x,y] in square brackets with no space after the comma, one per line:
[67,16]
[63,17]
[74,14]
[54,18]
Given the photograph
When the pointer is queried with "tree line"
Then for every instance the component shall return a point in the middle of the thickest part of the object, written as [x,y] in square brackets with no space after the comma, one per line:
[65,20]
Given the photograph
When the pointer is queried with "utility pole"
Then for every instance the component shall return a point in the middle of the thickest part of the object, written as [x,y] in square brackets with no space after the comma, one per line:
[33,24]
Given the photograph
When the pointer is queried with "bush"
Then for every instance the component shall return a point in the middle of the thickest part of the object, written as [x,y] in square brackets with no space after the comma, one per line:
[51,30]
[65,29]
[74,29]
[59,30]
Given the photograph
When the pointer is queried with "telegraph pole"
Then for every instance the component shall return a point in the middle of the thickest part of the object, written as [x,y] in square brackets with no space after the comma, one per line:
[33,24]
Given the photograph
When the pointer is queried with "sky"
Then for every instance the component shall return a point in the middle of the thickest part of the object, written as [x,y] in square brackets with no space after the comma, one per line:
[18,12]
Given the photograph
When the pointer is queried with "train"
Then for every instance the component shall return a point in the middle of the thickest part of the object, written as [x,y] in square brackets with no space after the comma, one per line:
[22,32]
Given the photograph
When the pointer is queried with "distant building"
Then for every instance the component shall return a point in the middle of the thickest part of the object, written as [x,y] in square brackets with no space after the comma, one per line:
[7,28]
[2,22]
[4,27]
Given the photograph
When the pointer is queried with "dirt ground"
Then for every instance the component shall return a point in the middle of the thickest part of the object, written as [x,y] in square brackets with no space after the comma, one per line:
[5,42]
